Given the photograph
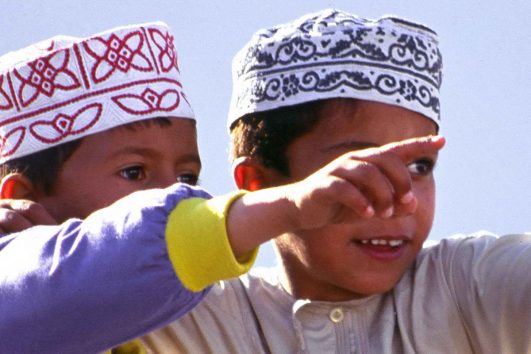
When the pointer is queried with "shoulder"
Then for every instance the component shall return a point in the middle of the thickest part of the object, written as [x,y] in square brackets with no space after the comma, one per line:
[487,277]
[477,261]
[470,247]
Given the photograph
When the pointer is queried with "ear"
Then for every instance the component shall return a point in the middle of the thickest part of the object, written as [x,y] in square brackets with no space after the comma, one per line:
[16,186]
[251,175]
[247,174]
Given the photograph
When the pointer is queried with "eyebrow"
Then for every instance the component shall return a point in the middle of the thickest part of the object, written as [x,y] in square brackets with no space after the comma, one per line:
[149,152]
[350,145]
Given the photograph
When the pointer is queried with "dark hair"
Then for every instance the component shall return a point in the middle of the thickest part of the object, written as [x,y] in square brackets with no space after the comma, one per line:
[266,135]
[43,166]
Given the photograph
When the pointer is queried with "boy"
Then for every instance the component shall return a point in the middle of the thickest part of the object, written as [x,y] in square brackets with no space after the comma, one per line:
[86,122]
[304,93]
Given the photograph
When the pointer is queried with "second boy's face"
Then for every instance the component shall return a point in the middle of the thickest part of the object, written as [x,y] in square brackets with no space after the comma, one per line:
[331,263]
[110,165]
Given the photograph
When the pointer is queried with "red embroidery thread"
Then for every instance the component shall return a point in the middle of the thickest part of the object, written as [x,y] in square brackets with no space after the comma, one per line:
[149,101]
[64,125]
[5,102]
[167,57]
[117,54]
[14,137]
[44,76]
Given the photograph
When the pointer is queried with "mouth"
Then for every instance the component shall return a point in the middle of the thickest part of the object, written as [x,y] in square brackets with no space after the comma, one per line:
[384,248]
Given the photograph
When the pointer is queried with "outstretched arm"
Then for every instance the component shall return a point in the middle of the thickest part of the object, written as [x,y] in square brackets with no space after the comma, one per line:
[87,285]
[359,184]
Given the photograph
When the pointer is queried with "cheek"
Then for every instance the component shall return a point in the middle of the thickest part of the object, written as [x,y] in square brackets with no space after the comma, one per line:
[106,194]
[315,249]
[84,197]
[425,193]
[290,247]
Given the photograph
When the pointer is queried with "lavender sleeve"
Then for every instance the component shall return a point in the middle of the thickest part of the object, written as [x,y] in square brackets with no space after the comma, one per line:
[87,285]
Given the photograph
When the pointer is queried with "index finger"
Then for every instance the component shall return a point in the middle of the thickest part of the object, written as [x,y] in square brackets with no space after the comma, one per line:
[414,148]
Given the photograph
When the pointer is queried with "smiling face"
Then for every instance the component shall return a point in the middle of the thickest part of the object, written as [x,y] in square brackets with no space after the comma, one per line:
[110,165]
[333,263]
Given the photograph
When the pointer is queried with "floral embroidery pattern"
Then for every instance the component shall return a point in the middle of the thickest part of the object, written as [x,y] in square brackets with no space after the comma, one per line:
[167,56]
[69,87]
[44,76]
[64,125]
[10,142]
[117,54]
[148,102]
[5,102]
[387,57]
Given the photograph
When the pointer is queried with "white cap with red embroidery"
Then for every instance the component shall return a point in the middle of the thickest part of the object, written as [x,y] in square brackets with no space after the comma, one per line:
[66,88]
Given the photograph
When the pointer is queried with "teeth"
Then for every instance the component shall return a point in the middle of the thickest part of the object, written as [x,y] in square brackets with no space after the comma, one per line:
[377,242]
[394,243]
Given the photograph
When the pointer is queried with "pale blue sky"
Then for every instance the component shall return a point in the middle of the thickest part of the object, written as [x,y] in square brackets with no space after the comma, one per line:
[483,174]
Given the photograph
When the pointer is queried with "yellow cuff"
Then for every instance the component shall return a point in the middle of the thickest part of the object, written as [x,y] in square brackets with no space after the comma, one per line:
[198,244]
[132,347]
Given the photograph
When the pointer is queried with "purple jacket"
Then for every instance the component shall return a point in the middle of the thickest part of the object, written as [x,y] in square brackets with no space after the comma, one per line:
[87,285]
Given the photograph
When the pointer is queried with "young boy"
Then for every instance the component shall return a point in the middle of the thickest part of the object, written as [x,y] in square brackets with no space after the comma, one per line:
[305,93]
[85,122]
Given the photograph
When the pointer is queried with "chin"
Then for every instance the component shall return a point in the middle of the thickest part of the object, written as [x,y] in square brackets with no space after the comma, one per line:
[373,286]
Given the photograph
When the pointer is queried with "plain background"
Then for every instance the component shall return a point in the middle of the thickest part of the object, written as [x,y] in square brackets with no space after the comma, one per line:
[484,172]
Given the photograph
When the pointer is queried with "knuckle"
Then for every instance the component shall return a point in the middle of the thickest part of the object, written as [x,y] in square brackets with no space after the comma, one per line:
[7,217]
[367,170]
[335,184]
[32,208]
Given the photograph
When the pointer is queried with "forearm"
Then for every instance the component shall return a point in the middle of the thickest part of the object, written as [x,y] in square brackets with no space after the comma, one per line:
[205,224]
[258,217]
[96,283]
[75,293]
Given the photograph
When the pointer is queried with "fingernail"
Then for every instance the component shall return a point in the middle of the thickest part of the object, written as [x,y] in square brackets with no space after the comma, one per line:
[368,212]
[436,138]
[407,198]
[388,212]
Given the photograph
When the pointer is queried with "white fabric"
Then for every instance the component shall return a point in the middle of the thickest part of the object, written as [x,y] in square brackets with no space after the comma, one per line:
[334,54]
[65,88]
[465,295]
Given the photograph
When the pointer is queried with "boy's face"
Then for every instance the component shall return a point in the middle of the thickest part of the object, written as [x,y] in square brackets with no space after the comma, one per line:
[117,162]
[330,263]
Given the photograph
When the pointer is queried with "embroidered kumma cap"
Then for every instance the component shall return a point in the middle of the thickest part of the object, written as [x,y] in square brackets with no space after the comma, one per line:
[65,88]
[333,54]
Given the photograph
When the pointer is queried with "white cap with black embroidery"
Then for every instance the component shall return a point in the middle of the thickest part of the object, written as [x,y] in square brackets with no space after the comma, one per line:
[333,54]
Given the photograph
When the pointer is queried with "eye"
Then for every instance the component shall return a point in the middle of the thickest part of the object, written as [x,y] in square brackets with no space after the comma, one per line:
[188,178]
[421,167]
[133,173]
